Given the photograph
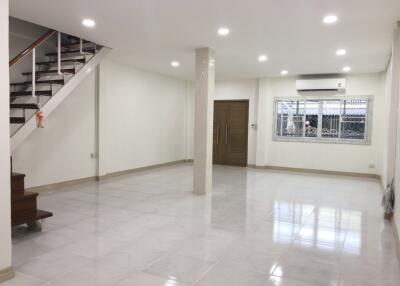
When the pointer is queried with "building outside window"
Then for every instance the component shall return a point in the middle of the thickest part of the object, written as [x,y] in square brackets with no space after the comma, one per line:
[332,120]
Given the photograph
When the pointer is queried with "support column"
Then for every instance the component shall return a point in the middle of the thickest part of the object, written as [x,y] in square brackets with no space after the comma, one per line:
[203,121]
[6,271]
[262,121]
[395,94]
[393,87]
[102,116]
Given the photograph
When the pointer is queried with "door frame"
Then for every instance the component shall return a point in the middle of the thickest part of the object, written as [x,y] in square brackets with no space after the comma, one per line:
[247,137]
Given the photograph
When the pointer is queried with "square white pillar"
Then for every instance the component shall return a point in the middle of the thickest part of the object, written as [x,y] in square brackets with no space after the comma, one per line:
[203,121]
[262,120]
[5,190]
[393,88]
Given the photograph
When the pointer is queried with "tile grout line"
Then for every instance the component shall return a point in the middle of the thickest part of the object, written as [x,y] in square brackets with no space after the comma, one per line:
[212,266]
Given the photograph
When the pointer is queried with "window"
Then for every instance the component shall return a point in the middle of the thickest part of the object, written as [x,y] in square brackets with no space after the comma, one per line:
[340,120]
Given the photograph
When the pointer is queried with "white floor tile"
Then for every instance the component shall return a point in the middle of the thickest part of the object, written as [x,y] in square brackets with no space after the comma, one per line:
[141,278]
[181,268]
[257,227]
[21,279]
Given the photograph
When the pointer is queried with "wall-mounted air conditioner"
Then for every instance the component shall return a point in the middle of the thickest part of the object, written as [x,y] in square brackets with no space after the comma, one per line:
[323,84]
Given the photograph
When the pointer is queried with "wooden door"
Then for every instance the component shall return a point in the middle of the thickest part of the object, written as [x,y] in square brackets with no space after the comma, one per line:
[219,135]
[230,132]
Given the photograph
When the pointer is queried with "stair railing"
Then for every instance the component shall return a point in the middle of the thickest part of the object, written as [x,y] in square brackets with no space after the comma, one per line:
[59,53]
[81,46]
[29,49]
[32,50]
[34,72]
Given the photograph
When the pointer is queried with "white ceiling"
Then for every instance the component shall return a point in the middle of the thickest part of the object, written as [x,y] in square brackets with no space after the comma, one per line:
[149,34]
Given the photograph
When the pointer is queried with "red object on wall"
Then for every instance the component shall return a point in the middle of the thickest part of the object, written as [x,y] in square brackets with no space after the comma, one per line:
[40,119]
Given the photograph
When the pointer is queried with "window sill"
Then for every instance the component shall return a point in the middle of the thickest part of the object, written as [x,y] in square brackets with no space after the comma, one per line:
[323,140]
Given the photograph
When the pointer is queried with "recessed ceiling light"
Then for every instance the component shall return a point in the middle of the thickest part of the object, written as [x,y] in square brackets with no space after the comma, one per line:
[262,58]
[175,64]
[284,72]
[88,23]
[330,19]
[223,31]
[347,69]
[341,52]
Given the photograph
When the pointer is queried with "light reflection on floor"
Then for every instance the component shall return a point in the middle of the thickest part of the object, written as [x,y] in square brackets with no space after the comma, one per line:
[317,227]
[258,227]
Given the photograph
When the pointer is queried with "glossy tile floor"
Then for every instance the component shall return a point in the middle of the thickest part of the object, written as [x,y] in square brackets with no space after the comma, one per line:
[258,227]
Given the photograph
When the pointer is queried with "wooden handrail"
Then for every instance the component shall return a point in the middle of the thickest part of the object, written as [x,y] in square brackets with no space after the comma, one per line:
[28,50]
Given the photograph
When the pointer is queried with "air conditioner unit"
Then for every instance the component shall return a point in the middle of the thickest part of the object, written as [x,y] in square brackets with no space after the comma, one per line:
[323,84]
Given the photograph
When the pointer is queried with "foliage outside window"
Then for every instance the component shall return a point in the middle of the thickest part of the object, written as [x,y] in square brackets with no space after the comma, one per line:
[333,120]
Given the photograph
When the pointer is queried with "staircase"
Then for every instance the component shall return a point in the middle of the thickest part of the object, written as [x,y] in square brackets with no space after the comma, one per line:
[47,83]
[24,204]
[50,80]
[47,77]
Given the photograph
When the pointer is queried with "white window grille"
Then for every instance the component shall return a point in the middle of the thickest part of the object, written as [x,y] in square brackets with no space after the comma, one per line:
[332,120]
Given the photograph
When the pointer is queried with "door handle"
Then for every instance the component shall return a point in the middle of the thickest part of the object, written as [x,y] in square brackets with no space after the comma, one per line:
[217,134]
[226,134]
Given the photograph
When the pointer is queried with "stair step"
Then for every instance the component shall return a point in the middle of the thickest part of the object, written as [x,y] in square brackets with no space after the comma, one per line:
[41,214]
[76,45]
[29,93]
[90,51]
[70,37]
[17,175]
[17,120]
[24,196]
[62,61]
[24,106]
[24,204]
[17,184]
[72,71]
[27,83]
[23,208]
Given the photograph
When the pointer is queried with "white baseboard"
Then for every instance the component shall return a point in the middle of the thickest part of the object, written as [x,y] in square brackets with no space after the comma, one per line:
[55,186]
[6,274]
[141,169]
[397,238]
[316,171]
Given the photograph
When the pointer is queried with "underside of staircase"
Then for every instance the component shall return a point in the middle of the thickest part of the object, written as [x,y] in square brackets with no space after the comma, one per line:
[49,81]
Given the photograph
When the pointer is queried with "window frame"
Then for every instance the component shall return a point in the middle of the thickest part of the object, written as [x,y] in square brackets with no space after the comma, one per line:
[318,139]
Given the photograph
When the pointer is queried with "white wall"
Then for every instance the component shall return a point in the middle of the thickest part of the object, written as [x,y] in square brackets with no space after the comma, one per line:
[242,89]
[147,119]
[323,156]
[5,211]
[229,90]
[189,121]
[389,144]
[21,35]
[142,118]
[395,91]
[142,123]
[263,151]
[61,151]
[396,155]
[391,157]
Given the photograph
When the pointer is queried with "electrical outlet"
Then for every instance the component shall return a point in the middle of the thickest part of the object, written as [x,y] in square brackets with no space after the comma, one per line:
[371,166]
